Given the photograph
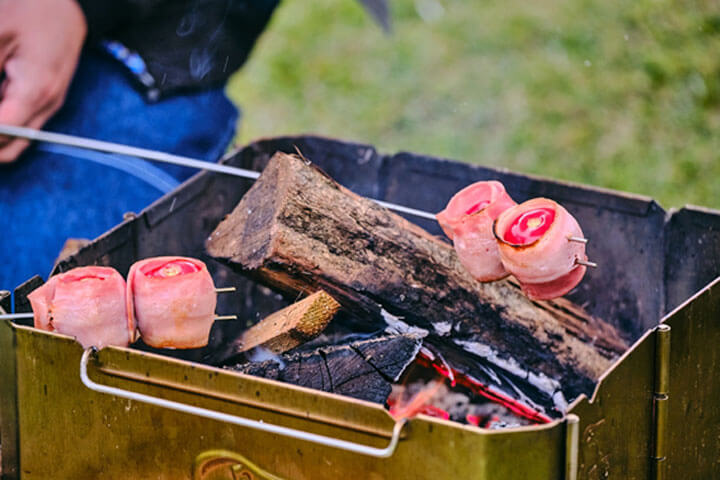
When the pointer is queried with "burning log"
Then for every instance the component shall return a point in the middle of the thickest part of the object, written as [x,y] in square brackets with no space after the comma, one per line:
[364,370]
[291,326]
[299,231]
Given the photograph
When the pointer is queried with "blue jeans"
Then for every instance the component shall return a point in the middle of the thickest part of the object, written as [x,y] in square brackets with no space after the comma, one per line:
[51,193]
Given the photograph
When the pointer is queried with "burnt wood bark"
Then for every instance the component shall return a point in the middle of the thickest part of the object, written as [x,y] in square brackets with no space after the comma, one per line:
[299,231]
[365,370]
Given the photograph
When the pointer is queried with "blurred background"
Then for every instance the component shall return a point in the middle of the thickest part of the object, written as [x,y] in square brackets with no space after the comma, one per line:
[624,95]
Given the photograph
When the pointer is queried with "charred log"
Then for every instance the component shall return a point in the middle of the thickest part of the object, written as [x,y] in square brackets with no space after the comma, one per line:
[299,231]
[364,370]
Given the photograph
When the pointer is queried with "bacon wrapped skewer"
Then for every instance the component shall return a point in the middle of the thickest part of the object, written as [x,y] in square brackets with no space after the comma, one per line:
[173,300]
[87,303]
[534,239]
[468,220]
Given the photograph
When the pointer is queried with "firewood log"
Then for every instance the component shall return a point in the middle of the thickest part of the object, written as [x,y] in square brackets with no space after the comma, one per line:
[365,369]
[298,230]
[291,326]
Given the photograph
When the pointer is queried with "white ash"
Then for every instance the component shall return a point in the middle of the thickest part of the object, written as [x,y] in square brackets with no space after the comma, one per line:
[395,325]
[261,354]
[459,405]
[541,381]
[442,328]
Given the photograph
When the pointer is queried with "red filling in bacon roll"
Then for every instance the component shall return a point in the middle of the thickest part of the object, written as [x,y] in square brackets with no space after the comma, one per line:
[534,239]
[468,220]
[173,300]
[87,303]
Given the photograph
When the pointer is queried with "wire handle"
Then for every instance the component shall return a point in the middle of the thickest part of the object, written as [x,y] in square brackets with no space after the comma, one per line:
[240,421]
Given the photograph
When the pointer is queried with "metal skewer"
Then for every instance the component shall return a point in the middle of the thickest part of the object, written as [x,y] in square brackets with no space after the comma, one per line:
[586,263]
[15,316]
[22,316]
[225,290]
[116,148]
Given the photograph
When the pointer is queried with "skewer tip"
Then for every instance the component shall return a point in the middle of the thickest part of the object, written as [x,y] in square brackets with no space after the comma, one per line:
[586,263]
[225,290]
[225,317]
[577,239]
[16,316]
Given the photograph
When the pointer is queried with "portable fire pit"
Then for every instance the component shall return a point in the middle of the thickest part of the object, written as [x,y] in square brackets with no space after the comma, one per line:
[138,413]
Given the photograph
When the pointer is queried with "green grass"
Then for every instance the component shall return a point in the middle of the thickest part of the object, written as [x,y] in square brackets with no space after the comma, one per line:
[624,95]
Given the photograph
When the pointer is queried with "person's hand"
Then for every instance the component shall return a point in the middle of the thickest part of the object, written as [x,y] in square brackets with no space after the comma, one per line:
[40,43]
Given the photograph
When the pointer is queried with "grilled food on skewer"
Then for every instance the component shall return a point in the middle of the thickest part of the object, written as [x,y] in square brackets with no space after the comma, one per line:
[173,300]
[536,247]
[468,220]
[87,303]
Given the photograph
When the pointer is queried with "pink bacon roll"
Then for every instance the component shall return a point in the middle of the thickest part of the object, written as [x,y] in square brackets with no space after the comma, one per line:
[173,300]
[87,303]
[487,196]
[468,220]
[534,239]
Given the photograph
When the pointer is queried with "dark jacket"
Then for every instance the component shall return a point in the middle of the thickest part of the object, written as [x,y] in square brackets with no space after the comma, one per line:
[186,44]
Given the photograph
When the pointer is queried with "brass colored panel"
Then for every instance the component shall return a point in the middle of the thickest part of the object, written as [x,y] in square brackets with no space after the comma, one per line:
[616,426]
[693,429]
[48,413]
[8,404]
[222,464]
[103,437]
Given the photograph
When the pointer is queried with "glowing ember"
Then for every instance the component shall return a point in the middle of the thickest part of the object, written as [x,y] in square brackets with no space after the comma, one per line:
[529,226]
[419,403]
[518,408]
[170,268]
[473,419]
[433,411]
[416,395]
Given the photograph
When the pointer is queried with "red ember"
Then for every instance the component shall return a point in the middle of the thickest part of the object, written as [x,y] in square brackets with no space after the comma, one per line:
[478,388]
[417,404]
